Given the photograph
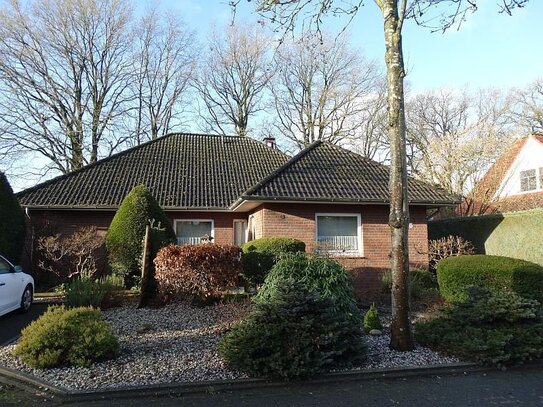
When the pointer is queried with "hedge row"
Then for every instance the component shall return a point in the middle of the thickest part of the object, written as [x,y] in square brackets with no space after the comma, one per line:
[454,274]
[515,234]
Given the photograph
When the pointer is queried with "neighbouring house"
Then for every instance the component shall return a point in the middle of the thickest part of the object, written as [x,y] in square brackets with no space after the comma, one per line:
[513,183]
[236,189]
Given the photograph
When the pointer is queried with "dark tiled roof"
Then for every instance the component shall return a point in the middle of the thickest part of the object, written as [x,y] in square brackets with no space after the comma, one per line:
[325,172]
[181,170]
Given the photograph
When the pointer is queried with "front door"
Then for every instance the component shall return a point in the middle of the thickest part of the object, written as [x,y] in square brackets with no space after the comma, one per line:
[240,232]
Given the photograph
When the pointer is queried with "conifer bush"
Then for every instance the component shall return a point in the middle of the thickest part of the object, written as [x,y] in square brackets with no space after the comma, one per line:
[12,219]
[321,275]
[490,327]
[64,337]
[295,334]
[372,320]
[124,238]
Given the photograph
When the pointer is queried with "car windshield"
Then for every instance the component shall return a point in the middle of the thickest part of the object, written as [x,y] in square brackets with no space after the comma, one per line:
[4,266]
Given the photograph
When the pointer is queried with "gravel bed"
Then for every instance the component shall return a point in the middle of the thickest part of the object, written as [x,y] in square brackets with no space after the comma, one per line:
[178,343]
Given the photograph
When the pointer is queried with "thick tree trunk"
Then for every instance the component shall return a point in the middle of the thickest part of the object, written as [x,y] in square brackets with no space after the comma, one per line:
[401,336]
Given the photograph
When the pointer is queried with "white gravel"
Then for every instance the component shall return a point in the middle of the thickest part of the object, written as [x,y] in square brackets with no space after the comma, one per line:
[178,343]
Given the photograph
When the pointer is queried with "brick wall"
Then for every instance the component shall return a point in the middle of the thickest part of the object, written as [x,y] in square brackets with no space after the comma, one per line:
[298,221]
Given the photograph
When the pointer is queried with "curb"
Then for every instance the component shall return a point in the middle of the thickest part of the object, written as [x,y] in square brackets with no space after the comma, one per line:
[34,385]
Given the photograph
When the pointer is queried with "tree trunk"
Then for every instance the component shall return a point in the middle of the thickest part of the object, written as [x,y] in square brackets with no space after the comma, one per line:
[401,337]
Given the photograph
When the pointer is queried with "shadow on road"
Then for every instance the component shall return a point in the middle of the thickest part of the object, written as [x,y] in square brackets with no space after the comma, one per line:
[11,324]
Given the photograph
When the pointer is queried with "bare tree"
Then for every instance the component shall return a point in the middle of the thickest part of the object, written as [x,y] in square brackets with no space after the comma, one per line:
[456,136]
[63,76]
[320,88]
[527,107]
[233,77]
[286,13]
[165,56]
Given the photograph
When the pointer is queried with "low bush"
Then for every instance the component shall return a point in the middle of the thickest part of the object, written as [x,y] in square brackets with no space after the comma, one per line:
[490,327]
[495,272]
[321,275]
[422,284]
[296,334]
[260,255]
[204,271]
[63,336]
[372,320]
[85,291]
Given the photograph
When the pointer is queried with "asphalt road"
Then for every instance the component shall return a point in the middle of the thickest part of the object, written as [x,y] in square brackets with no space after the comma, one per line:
[11,324]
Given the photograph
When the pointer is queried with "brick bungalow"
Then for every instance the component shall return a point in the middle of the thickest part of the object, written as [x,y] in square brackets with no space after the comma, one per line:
[237,189]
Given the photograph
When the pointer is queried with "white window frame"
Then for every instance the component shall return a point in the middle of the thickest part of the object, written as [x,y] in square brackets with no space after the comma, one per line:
[176,221]
[357,253]
[537,186]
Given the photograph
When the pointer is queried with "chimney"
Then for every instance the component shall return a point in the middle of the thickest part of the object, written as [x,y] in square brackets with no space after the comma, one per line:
[269,141]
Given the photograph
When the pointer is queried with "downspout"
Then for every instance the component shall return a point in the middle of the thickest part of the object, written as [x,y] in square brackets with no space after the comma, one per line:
[27,213]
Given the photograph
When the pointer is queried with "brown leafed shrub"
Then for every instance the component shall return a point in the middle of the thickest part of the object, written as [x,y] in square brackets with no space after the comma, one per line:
[202,271]
[449,246]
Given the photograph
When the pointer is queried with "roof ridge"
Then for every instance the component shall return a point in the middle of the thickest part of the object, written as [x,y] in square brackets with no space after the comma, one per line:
[281,168]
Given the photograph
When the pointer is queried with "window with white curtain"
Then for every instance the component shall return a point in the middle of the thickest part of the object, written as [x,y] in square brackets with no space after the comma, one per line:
[194,231]
[339,233]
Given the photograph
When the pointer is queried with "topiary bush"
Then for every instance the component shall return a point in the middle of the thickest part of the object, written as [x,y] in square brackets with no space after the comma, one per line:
[321,275]
[203,271]
[495,272]
[260,255]
[296,334]
[124,237]
[372,320]
[491,327]
[12,219]
[61,336]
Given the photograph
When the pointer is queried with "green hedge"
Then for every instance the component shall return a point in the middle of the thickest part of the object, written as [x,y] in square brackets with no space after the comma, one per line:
[260,255]
[516,234]
[12,219]
[454,274]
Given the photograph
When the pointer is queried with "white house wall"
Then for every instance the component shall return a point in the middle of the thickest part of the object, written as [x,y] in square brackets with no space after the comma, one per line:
[529,157]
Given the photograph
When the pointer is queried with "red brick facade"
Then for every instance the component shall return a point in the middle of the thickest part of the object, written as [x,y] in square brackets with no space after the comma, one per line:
[291,220]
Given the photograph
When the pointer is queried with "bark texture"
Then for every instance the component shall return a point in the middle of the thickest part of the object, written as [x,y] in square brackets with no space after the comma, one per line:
[401,335]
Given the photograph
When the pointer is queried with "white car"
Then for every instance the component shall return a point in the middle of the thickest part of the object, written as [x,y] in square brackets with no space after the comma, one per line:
[16,288]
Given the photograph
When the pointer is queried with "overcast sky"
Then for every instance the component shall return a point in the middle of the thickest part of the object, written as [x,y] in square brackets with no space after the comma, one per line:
[490,49]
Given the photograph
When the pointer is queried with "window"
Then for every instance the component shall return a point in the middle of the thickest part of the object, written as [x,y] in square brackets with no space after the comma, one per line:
[339,233]
[194,231]
[528,180]
[5,267]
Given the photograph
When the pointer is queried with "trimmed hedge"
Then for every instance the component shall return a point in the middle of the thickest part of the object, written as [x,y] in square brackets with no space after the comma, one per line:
[515,234]
[61,336]
[317,274]
[124,238]
[12,219]
[203,271]
[454,274]
[260,255]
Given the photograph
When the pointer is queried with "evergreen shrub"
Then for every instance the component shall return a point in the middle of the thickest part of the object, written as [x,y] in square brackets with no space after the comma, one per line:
[260,255]
[124,238]
[12,219]
[295,334]
[454,274]
[321,275]
[490,327]
[64,337]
